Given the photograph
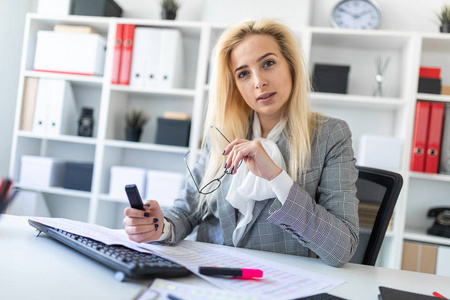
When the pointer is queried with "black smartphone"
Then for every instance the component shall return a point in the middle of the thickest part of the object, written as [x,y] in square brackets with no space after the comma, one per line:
[134,197]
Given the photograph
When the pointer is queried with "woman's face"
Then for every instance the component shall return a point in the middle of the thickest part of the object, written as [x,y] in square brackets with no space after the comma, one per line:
[262,75]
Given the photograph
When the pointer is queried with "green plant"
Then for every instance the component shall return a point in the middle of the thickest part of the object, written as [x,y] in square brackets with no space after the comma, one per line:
[136,118]
[444,15]
[170,5]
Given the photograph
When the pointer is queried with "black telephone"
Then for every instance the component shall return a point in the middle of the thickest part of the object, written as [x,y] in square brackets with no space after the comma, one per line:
[441,226]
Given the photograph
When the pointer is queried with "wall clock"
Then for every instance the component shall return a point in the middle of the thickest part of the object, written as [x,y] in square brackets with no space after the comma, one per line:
[356,14]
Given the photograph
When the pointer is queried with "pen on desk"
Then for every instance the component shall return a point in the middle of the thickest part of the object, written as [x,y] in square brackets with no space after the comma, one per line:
[436,294]
[234,272]
[173,297]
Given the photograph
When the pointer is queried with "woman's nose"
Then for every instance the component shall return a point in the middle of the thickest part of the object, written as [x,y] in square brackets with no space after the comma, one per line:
[260,81]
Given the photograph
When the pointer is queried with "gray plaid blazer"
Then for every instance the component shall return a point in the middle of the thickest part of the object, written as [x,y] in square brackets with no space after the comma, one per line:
[319,215]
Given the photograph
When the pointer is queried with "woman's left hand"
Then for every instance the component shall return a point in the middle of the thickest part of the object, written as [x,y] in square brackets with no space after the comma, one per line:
[254,156]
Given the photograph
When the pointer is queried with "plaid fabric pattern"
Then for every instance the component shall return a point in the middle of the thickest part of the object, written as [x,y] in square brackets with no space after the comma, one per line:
[319,215]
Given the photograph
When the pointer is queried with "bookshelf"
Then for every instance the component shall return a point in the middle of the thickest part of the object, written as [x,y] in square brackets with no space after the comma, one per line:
[391,115]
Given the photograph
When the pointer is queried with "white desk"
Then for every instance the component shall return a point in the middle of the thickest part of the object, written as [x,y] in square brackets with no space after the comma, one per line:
[41,268]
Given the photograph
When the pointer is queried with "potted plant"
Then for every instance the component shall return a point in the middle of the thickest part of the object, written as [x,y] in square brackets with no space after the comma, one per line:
[135,120]
[444,18]
[169,9]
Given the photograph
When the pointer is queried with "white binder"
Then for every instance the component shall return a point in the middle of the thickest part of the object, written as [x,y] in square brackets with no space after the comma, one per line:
[152,58]
[139,56]
[171,62]
[62,114]
[55,110]
[41,106]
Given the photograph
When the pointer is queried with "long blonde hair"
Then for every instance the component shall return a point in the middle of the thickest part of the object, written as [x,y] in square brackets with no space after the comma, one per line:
[228,111]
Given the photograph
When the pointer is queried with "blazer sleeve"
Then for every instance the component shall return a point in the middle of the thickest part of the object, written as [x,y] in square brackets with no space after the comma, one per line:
[328,224]
[184,215]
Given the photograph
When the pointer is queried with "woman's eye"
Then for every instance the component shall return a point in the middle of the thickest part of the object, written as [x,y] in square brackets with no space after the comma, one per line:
[242,74]
[268,63]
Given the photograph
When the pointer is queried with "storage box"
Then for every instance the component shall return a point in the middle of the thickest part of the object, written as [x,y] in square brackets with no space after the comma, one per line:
[70,52]
[419,257]
[163,186]
[41,172]
[78,176]
[173,132]
[443,261]
[429,86]
[430,72]
[445,90]
[101,8]
[378,151]
[330,78]
[54,7]
[121,176]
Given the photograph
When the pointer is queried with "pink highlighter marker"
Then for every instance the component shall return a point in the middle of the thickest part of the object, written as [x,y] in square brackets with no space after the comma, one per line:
[234,272]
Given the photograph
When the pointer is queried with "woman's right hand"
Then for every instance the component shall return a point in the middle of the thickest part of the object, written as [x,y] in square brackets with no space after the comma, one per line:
[144,226]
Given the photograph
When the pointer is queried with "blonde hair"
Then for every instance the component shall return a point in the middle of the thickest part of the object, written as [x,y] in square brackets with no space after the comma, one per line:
[228,111]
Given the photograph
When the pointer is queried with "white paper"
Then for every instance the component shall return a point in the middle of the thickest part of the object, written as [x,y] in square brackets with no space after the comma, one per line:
[162,288]
[279,281]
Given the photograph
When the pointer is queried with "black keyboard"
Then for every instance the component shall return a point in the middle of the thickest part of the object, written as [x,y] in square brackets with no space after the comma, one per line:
[126,261]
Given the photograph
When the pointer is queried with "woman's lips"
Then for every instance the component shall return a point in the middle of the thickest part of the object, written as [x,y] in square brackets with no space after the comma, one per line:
[266,97]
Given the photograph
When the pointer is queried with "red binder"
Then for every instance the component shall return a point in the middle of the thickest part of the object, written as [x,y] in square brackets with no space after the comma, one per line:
[117,53]
[420,136]
[434,137]
[127,51]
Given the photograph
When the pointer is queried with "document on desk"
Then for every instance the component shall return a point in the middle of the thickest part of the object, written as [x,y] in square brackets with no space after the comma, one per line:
[280,281]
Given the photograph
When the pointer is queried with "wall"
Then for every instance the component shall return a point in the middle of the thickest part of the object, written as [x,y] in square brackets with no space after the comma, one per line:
[408,15]
[12,23]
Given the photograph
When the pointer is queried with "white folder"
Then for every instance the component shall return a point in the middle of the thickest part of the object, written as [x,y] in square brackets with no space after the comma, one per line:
[41,106]
[139,56]
[153,56]
[171,62]
[62,113]
[55,109]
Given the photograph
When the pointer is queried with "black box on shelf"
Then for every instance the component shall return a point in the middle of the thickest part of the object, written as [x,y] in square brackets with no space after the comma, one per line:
[173,132]
[101,8]
[78,176]
[429,86]
[330,78]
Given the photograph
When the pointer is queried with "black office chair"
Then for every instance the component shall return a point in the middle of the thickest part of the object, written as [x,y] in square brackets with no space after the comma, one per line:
[378,192]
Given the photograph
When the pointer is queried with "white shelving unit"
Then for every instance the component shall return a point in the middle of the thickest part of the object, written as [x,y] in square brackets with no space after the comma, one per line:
[392,114]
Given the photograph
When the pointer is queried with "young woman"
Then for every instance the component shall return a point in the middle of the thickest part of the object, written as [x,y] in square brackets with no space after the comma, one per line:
[272,175]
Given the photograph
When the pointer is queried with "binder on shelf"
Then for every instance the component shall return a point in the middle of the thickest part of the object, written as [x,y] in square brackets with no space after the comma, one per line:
[444,160]
[140,54]
[171,64]
[420,136]
[152,60]
[55,108]
[118,44]
[434,137]
[28,102]
[127,53]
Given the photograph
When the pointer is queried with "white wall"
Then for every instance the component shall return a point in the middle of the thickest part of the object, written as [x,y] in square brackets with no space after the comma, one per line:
[408,15]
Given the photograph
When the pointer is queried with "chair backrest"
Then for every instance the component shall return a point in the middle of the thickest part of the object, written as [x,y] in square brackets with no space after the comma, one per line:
[377,191]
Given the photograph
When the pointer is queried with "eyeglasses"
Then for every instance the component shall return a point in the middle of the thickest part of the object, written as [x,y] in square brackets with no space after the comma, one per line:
[214,184]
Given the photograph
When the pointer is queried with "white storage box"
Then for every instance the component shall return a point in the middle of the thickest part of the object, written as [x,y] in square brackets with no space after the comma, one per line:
[163,186]
[54,7]
[377,151]
[41,172]
[121,176]
[70,52]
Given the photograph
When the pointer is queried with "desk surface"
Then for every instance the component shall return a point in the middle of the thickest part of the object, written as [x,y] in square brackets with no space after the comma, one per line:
[42,268]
